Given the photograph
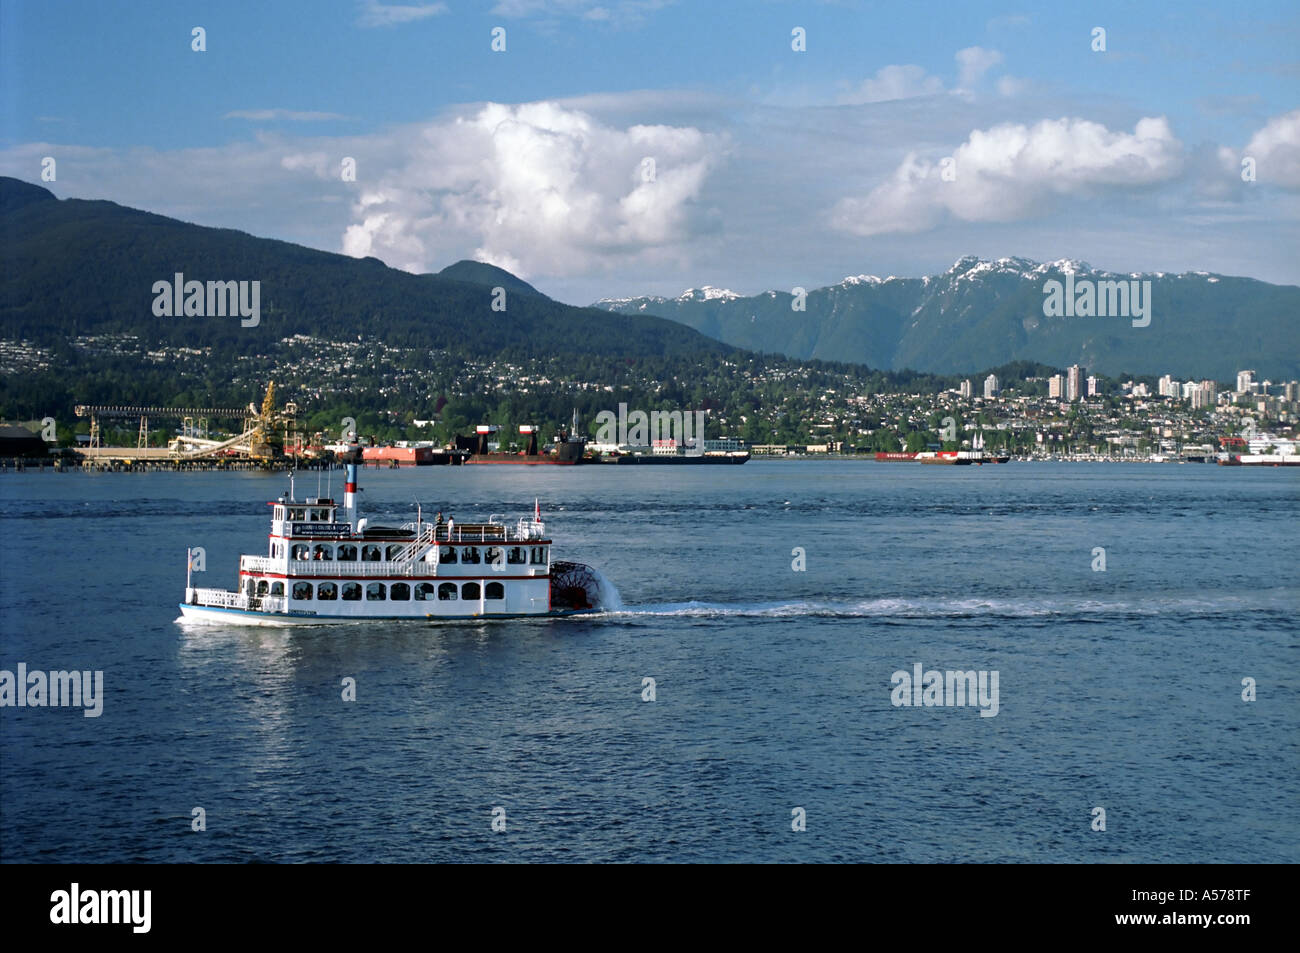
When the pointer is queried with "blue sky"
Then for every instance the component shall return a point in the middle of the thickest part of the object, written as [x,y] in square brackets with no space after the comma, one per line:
[771,167]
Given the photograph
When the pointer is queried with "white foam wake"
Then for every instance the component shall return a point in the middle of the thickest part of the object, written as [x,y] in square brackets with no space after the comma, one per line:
[929,608]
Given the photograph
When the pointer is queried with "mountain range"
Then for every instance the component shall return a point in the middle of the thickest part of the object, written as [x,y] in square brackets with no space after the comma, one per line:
[74,267]
[982,313]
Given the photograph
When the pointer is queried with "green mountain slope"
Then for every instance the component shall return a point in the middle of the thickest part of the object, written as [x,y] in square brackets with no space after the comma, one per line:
[75,267]
[986,313]
[481,273]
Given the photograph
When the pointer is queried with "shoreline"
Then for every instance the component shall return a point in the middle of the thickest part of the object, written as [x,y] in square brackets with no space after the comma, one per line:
[20,465]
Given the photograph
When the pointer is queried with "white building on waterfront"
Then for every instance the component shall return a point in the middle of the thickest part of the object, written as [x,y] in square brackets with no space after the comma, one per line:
[1075,377]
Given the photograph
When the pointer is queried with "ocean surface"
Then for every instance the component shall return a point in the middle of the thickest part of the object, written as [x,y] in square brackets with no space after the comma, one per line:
[1119,689]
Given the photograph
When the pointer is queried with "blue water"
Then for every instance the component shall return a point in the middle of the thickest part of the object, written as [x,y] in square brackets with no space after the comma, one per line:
[1119,689]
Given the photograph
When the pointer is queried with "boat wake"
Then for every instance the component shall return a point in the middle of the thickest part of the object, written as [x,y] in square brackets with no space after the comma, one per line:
[900,609]
[607,597]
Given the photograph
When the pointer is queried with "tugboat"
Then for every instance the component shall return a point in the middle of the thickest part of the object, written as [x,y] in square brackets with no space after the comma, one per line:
[328,564]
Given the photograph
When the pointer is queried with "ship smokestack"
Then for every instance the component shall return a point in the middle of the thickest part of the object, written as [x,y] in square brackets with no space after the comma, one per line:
[351,457]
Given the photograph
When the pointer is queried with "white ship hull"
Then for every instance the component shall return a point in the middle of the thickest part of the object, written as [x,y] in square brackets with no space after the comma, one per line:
[210,615]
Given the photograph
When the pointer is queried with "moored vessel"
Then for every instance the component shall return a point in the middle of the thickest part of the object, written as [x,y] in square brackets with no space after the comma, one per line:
[672,455]
[569,448]
[943,457]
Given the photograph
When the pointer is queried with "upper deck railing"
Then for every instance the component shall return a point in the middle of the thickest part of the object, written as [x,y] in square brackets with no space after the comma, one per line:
[489,532]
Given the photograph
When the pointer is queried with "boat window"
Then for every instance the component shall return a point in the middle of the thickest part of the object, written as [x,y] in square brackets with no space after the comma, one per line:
[327,590]
[495,590]
[516,555]
[325,552]
[394,551]
[277,588]
[492,556]
[263,587]
[470,591]
[370,554]
[249,587]
[279,512]
[447,591]
[469,554]
[447,555]
[400,591]
[375,592]
[539,555]
[302,551]
[302,591]
[424,592]
[352,592]
[296,514]
[348,554]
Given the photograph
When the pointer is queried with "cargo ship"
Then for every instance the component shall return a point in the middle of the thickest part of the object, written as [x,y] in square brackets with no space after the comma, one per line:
[409,456]
[568,450]
[668,452]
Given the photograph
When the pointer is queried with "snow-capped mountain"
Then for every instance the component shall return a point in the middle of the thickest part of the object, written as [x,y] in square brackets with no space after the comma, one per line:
[983,313]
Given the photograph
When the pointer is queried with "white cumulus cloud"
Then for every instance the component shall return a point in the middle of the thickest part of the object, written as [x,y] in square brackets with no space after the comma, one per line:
[538,188]
[1013,171]
[1276,151]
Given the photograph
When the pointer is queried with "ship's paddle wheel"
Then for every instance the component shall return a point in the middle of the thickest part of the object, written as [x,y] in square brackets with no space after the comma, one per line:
[574,586]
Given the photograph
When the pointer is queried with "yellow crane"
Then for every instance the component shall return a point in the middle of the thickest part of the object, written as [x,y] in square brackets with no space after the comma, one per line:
[264,443]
